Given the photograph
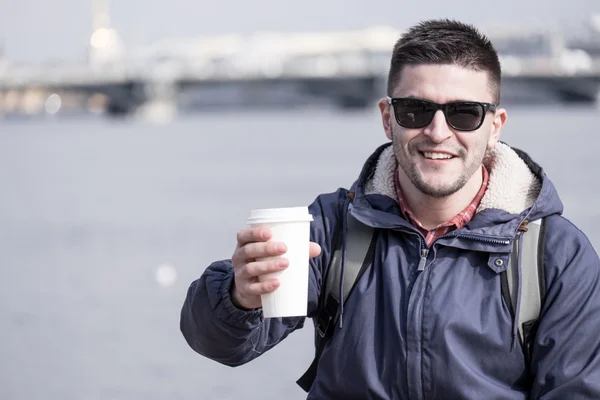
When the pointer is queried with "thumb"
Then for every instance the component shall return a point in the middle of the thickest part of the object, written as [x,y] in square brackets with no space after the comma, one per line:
[315,250]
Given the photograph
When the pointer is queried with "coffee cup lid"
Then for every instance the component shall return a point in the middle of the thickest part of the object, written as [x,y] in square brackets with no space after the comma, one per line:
[288,214]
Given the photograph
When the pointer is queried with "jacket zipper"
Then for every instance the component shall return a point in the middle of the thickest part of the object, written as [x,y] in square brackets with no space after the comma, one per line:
[414,325]
[424,254]
[482,239]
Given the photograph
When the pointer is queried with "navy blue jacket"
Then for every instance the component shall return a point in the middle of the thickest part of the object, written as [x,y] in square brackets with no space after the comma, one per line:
[441,333]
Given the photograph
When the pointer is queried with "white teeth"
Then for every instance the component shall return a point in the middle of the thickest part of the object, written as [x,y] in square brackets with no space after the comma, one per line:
[437,156]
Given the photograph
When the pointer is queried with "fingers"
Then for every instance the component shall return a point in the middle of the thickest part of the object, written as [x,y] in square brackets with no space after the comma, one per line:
[252,251]
[257,288]
[259,268]
[246,292]
[255,257]
[314,250]
[250,235]
[249,275]
[248,287]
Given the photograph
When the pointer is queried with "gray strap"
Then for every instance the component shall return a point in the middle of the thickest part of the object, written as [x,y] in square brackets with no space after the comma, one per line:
[530,291]
[358,239]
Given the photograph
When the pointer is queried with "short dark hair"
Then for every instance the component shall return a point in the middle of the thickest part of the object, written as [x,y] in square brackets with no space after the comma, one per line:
[445,41]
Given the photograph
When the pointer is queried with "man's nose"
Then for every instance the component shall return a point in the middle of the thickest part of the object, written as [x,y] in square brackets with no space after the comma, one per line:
[438,130]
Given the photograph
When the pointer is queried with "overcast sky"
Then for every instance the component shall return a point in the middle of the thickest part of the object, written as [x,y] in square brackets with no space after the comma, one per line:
[56,30]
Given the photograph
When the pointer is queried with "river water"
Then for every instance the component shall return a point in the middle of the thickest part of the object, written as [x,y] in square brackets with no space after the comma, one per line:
[97,216]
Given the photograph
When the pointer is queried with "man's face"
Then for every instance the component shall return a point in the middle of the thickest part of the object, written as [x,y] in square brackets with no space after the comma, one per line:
[437,159]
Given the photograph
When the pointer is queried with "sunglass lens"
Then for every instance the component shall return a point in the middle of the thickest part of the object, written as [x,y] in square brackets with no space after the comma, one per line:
[464,116]
[413,113]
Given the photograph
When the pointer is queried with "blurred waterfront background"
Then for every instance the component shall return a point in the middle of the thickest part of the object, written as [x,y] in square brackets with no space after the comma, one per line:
[105,220]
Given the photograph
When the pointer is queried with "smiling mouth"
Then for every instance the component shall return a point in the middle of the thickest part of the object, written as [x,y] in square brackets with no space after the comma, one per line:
[436,156]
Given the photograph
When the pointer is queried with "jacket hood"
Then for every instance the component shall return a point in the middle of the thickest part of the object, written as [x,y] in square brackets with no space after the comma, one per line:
[518,189]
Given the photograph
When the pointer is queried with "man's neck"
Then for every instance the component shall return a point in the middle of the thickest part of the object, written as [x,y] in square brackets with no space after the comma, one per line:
[434,211]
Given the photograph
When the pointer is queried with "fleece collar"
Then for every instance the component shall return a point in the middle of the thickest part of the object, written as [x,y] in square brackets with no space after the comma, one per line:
[512,186]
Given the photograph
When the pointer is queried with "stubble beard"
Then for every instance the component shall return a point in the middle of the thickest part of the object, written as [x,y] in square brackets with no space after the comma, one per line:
[409,166]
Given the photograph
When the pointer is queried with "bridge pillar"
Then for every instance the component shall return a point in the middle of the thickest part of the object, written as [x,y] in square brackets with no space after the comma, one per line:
[160,105]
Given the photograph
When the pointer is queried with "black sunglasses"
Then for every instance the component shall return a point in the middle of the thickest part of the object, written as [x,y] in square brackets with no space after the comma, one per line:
[460,115]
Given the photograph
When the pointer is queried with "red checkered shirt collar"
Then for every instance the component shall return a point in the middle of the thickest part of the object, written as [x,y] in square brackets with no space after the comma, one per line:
[457,222]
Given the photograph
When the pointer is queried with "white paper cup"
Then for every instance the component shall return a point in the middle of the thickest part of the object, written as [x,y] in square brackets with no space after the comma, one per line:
[292,227]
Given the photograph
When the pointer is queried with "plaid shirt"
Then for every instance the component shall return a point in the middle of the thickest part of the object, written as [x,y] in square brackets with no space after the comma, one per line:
[458,221]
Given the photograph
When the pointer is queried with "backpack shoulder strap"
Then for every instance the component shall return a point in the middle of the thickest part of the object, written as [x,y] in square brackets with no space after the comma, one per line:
[360,245]
[358,242]
[532,289]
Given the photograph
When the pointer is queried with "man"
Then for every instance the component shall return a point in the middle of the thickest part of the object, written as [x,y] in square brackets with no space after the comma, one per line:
[428,319]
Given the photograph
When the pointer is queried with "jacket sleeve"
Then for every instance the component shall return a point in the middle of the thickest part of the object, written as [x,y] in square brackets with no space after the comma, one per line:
[215,328]
[566,352]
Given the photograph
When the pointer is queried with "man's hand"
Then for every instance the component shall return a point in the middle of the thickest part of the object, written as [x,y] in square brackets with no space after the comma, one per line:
[252,245]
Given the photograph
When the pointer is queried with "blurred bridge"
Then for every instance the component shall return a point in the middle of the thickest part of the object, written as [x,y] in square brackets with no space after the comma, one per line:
[347,69]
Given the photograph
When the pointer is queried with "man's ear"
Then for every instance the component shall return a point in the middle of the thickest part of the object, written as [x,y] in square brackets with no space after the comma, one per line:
[385,108]
[500,118]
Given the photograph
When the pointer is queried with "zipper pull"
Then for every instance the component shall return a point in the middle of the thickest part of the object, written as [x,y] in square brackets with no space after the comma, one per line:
[424,254]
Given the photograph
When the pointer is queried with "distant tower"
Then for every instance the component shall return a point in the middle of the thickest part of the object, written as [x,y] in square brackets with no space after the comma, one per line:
[3,64]
[105,46]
